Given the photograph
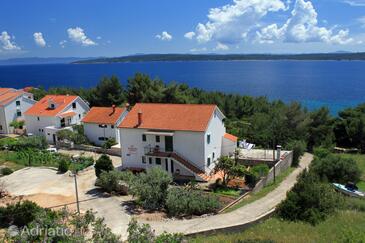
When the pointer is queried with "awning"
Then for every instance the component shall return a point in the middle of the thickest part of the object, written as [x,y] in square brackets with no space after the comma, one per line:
[67,114]
[159,133]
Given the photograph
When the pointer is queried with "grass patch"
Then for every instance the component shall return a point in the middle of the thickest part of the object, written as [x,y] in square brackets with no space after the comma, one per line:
[255,196]
[227,192]
[345,226]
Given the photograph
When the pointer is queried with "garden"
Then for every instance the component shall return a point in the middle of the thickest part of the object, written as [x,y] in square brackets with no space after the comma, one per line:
[17,153]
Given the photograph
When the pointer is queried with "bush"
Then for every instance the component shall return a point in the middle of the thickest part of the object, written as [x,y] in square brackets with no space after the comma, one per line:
[321,152]
[144,234]
[298,147]
[63,165]
[33,142]
[81,163]
[109,143]
[104,163]
[151,188]
[335,168]
[19,214]
[6,171]
[114,181]
[310,200]
[260,170]
[181,201]
[8,143]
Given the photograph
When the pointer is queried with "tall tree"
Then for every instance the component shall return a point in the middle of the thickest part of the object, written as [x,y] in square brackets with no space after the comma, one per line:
[320,129]
[108,92]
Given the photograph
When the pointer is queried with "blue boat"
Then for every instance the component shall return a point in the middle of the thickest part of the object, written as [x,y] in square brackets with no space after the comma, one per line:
[349,189]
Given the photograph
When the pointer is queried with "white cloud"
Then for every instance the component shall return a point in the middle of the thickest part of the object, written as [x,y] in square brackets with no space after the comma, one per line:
[203,49]
[7,43]
[39,40]
[78,35]
[165,36]
[221,47]
[63,43]
[231,23]
[98,38]
[302,26]
[361,20]
[189,35]
[355,3]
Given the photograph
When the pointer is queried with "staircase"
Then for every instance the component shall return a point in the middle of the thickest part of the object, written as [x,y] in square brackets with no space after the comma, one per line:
[186,163]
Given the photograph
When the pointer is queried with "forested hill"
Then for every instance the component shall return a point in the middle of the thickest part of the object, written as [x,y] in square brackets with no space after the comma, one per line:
[227,57]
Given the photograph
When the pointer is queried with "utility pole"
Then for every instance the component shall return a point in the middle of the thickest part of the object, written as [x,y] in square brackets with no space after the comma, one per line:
[77,193]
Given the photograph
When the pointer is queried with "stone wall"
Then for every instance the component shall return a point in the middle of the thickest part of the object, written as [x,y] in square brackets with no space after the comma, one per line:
[283,164]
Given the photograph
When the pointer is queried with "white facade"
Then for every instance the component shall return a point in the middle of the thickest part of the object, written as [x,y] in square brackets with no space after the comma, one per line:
[14,110]
[195,147]
[98,134]
[48,126]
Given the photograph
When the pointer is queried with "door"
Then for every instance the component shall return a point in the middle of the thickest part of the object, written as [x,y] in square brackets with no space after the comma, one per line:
[54,138]
[169,144]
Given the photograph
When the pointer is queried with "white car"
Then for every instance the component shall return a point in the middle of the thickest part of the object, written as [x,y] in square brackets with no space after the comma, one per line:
[52,150]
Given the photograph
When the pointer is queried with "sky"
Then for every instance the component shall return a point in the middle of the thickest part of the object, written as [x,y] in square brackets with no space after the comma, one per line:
[95,28]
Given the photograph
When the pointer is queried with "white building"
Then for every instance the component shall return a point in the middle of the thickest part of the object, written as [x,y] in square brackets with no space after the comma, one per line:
[54,113]
[101,124]
[184,140]
[13,104]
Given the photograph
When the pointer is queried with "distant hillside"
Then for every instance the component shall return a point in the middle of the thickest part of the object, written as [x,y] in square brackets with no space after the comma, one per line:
[40,60]
[227,57]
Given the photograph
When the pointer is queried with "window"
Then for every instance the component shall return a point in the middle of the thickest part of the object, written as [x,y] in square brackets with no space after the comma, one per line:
[1,127]
[39,129]
[144,159]
[38,118]
[213,155]
[103,125]
[17,103]
[150,160]
[18,113]
[74,105]
[208,162]
[52,106]
[158,161]
[79,116]
[167,164]
[208,139]
[103,139]
[157,139]
[112,126]
[42,130]
[48,134]
[144,139]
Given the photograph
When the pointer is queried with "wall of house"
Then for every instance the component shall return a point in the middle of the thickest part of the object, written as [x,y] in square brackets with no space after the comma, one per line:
[216,130]
[93,132]
[187,144]
[35,126]
[81,109]
[3,124]
[228,147]
[10,112]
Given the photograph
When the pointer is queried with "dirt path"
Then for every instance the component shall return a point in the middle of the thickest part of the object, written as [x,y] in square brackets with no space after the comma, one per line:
[243,215]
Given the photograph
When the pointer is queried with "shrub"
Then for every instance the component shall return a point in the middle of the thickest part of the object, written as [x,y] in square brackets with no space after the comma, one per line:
[260,170]
[151,188]
[144,234]
[335,168]
[63,165]
[298,147]
[6,171]
[321,152]
[81,163]
[19,214]
[8,143]
[33,142]
[182,202]
[310,200]
[112,181]
[109,143]
[104,163]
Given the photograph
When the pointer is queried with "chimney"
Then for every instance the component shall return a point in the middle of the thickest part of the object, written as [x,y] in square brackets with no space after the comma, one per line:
[139,117]
[278,152]
[127,106]
[113,106]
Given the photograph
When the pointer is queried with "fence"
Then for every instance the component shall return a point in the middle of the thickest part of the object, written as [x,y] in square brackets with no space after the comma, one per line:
[89,148]
[283,164]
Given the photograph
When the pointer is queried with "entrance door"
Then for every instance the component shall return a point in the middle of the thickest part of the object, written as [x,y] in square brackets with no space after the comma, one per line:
[169,144]
[54,138]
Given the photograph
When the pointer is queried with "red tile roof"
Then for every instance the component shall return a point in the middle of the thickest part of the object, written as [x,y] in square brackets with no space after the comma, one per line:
[175,117]
[8,95]
[41,107]
[231,137]
[67,114]
[103,115]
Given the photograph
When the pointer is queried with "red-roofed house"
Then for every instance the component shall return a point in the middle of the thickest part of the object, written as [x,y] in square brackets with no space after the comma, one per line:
[101,124]
[13,104]
[54,113]
[183,139]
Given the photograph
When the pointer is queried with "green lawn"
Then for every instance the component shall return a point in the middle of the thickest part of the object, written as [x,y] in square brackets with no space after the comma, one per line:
[227,192]
[360,160]
[345,226]
[255,196]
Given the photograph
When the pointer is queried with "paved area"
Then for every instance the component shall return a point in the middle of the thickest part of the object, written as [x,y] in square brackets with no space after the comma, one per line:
[48,188]
[243,215]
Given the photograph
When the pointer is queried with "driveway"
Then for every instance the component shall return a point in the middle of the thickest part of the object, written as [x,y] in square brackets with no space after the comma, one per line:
[50,189]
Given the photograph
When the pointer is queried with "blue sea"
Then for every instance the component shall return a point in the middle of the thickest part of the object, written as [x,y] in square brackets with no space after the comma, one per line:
[335,84]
